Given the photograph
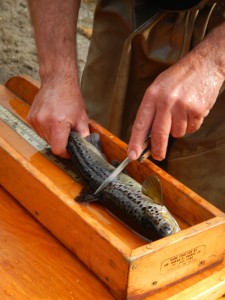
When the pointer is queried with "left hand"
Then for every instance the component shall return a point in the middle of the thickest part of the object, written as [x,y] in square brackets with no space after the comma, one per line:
[57,109]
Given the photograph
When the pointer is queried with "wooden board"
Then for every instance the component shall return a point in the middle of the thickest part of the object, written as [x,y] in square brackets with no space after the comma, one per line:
[131,267]
[35,265]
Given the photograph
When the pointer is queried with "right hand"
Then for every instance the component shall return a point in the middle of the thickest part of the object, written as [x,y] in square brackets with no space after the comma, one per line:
[57,108]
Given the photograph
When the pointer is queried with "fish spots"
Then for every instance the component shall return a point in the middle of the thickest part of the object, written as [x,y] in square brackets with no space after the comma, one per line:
[130,196]
[123,196]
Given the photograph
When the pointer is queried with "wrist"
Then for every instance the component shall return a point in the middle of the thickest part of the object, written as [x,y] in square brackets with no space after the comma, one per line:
[58,73]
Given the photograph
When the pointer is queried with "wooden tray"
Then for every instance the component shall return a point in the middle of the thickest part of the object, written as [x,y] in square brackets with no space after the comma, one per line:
[129,266]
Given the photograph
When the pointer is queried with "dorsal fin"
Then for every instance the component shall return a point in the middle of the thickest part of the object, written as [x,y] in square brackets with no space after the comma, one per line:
[152,188]
[94,139]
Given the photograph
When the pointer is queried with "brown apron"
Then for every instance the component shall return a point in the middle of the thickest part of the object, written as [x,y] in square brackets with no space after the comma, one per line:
[132,43]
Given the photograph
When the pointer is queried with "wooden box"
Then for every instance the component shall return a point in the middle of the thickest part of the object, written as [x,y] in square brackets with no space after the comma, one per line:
[131,267]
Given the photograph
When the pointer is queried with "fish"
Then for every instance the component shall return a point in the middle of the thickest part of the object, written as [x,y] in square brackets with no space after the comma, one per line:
[138,206]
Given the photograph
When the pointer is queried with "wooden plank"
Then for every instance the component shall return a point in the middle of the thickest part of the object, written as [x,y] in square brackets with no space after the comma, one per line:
[24,87]
[209,283]
[212,287]
[35,265]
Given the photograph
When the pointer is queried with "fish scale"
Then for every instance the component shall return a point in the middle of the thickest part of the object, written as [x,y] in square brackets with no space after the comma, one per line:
[123,197]
[87,164]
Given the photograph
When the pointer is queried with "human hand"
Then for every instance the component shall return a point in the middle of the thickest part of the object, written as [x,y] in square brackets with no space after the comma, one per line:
[57,108]
[176,103]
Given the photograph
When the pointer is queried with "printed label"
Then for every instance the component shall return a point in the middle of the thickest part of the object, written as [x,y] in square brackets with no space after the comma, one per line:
[181,260]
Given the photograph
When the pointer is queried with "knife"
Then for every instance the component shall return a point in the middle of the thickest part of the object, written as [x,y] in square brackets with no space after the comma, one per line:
[123,164]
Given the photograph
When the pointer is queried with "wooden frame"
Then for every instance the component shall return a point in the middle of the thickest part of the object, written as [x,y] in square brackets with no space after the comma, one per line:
[131,267]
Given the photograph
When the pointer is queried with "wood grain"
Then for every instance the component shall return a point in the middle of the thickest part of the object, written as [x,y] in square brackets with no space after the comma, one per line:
[131,267]
[34,265]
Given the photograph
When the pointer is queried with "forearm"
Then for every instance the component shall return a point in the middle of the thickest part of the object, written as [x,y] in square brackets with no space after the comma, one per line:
[58,106]
[212,50]
[54,24]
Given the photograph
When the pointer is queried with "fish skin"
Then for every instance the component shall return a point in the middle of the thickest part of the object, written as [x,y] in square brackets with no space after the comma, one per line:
[123,196]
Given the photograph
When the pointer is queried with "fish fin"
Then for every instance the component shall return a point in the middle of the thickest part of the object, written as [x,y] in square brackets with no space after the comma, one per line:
[85,196]
[94,139]
[153,189]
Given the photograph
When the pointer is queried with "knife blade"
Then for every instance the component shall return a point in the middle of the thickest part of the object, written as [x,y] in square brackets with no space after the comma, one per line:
[121,166]
[113,175]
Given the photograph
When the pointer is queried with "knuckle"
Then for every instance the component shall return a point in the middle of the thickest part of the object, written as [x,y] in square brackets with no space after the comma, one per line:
[178,133]
[194,126]
[205,114]
[29,119]
[147,105]
[141,125]
[57,151]
[195,113]
[191,130]
[152,92]
[181,106]
[174,96]
[39,119]
[169,102]
[178,128]
[159,142]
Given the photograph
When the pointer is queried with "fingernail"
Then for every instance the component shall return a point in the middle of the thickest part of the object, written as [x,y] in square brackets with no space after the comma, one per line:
[132,155]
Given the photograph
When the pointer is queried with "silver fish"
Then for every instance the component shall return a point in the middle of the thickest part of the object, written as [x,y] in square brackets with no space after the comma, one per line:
[140,207]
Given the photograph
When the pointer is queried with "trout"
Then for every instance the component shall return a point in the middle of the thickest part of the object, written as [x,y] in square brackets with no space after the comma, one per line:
[138,206]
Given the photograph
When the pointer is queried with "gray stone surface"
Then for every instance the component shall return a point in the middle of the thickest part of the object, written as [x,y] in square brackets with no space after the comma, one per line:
[17,46]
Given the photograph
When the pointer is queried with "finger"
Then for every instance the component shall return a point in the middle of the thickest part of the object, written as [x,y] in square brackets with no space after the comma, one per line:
[83,126]
[28,118]
[39,132]
[42,133]
[58,140]
[44,136]
[35,125]
[194,124]
[140,130]
[179,124]
[160,134]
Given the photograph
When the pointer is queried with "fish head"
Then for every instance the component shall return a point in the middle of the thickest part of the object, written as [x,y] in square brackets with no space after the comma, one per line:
[162,220]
